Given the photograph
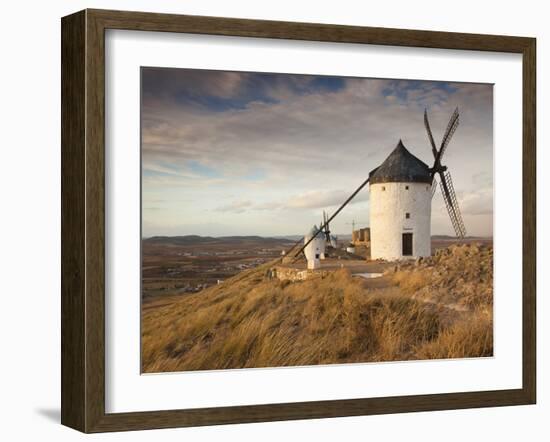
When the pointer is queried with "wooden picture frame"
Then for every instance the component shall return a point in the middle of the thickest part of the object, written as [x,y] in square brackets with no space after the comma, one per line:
[83,220]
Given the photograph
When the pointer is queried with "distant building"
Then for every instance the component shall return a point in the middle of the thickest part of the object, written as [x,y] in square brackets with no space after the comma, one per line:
[361,236]
[400,207]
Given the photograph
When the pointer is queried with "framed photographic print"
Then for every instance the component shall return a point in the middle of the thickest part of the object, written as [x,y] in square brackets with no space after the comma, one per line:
[268,221]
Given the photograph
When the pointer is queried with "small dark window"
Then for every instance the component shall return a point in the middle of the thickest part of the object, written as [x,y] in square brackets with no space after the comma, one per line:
[406,187]
[407,215]
[383,187]
[316,256]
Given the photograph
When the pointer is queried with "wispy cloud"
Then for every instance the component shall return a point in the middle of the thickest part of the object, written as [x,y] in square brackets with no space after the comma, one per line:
[322,199]
[235,206]
[479,202]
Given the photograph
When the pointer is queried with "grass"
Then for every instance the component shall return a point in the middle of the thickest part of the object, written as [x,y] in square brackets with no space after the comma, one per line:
[471,337]
[251,321]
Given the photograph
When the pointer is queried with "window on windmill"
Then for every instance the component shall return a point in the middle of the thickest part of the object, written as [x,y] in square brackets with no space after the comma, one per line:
[407,215]
[406,187]
[383,188]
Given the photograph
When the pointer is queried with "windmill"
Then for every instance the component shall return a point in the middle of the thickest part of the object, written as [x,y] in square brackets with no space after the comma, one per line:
[401,190]
[445,180]
[326,229]
[330,240]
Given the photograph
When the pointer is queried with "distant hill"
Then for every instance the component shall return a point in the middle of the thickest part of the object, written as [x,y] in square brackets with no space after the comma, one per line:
[192,240]
[189,240]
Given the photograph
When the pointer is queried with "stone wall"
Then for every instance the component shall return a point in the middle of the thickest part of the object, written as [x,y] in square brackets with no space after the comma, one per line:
[294,274]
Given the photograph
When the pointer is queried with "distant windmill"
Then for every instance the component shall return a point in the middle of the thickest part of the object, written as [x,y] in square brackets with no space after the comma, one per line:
[330,240]
[314,248]
[326,228]
[445,180]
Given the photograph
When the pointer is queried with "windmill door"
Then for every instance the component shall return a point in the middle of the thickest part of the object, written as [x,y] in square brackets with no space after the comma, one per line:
[407,244]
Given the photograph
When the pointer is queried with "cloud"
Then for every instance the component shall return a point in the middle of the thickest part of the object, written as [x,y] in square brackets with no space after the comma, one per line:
[286,142]
[225,90]
[318,199]
[479,202]
[167,83]
[315,199]
[235,207]
[272,205]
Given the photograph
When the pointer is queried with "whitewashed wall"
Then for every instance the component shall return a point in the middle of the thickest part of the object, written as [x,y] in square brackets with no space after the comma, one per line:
[387,219]
[315,247]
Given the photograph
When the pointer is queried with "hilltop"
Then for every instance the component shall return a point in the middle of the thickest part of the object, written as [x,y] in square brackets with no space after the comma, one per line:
[440,307]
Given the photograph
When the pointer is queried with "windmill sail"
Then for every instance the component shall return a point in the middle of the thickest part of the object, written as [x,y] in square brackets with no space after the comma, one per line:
[430,136]
[445,180]
[451,128]
[451,203]
[326,229]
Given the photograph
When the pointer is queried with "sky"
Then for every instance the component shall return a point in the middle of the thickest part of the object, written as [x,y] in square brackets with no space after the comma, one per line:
[241,153]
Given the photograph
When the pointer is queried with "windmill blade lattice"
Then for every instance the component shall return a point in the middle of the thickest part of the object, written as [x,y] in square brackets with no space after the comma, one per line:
[445,180]
[451,203]
[451,128]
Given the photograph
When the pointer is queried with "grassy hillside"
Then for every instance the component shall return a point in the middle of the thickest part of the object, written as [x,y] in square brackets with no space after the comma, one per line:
[251,321]
[457,279]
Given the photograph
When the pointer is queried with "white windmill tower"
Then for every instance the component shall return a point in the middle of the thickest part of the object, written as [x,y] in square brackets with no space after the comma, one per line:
[400,207]
[401,191]
[314,248]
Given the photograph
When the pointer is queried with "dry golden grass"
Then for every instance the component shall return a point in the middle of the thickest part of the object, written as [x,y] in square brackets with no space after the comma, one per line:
[471,337]
[250,321]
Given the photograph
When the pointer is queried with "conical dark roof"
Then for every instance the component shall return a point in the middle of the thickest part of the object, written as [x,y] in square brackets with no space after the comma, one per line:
[401,166]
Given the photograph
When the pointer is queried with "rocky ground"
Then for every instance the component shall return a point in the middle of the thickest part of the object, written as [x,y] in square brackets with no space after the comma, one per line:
[458,277]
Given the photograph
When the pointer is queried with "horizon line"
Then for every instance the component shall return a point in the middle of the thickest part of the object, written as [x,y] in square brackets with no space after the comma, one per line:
[288,235]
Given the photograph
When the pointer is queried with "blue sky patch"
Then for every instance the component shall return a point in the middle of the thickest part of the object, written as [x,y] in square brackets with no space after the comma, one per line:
[259,88]
[404,90]
[202,170]
[255,175]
